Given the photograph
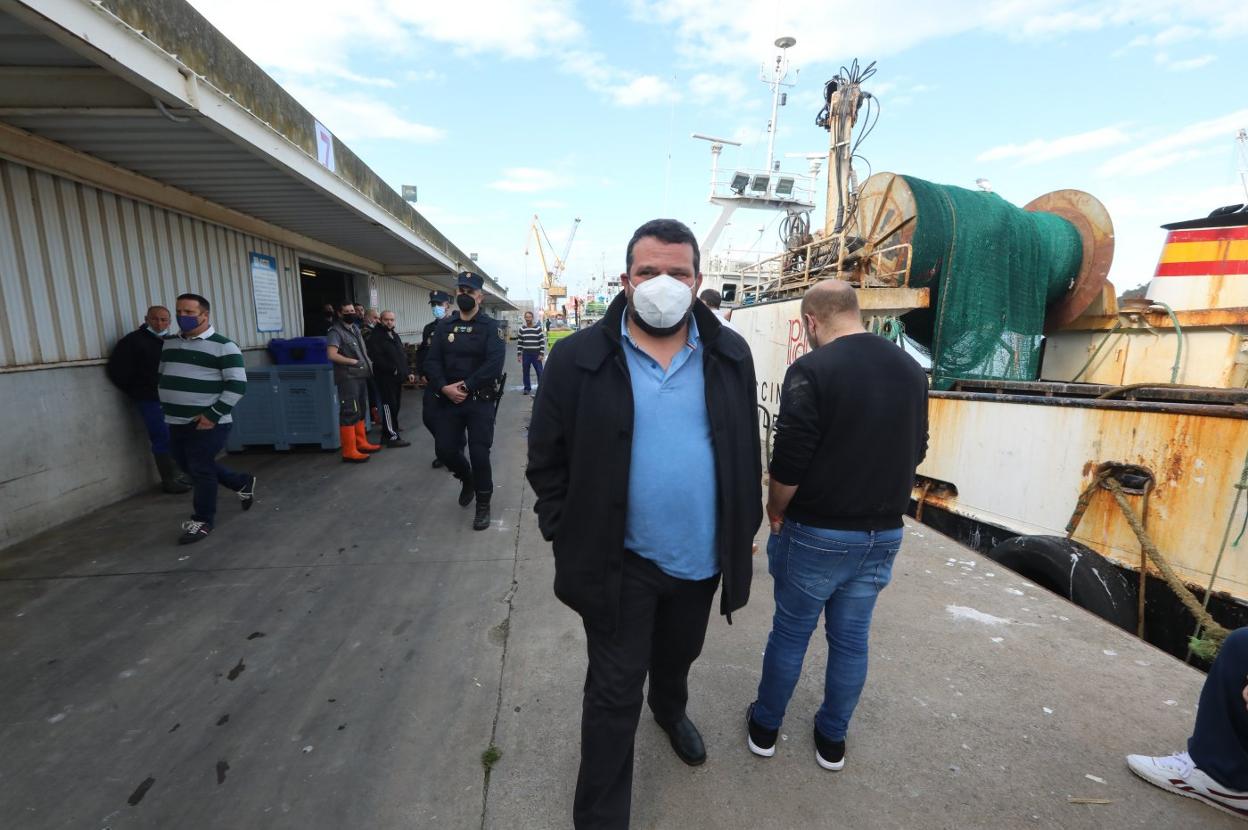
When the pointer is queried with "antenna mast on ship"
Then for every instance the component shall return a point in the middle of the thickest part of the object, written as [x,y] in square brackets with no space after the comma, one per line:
[765,189]
[1241,152]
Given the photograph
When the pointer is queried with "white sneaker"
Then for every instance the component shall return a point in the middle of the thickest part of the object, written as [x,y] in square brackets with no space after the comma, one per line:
[1179,774]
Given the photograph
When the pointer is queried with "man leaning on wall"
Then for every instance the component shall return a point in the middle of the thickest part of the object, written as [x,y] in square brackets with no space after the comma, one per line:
[133,367]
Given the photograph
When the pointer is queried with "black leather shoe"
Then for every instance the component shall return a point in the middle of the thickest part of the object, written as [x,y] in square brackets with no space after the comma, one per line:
[687,741]
[437,463]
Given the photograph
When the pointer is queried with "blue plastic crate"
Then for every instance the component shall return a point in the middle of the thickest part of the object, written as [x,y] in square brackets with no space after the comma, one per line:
[287,405]
[299,351]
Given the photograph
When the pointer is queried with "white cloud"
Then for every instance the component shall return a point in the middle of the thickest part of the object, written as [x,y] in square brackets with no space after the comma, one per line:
[528,180]
[1190,142]
[732,31]
[513,28]
[549,204]
[320,38]
[1047,149]
[645,89]
[353,116]
[709,88]
[1185,65]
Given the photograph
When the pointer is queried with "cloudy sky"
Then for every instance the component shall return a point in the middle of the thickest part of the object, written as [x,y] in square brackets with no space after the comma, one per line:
[499,109]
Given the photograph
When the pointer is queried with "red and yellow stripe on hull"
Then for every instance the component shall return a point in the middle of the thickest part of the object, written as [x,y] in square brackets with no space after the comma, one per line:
[1206,252]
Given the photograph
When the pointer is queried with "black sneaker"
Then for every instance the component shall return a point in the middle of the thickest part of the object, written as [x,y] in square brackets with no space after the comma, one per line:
[194,531]
[466,492]
[396,442]
[829,754]
[247,495]
[762,741]
[437,464]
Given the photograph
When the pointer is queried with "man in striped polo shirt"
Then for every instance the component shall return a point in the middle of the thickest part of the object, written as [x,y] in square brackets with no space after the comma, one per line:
[532,349]
[201,379]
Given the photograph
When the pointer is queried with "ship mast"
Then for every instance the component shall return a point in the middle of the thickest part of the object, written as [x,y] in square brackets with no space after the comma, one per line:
[1241,153]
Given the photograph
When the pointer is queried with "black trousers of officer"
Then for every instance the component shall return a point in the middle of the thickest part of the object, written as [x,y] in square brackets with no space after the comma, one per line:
[475,419]
[391,391]
[661,628]
[430,405]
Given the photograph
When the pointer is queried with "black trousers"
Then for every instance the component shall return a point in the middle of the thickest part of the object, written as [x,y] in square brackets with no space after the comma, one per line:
[429,406]
[662,625]
[391,391]
[470,422]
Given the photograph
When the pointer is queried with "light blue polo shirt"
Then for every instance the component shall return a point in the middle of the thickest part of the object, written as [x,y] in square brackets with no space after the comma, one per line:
[671,481]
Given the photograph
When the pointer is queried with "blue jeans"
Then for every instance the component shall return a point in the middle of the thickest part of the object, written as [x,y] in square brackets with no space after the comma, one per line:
[195,451]
[1219,742]
[533,359]
[838,573]
[157,429]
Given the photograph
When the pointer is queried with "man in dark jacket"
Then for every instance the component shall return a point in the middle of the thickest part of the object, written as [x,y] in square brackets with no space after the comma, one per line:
[644,455]
[132,367]
[852,428]
[390,369]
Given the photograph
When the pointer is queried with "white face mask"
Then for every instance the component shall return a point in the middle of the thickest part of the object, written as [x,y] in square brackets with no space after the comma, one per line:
[662,301]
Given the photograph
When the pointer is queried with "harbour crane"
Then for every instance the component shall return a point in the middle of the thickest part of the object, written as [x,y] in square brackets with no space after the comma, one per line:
[552,271]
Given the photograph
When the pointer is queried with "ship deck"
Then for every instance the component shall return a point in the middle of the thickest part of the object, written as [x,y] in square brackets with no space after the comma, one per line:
[343,654]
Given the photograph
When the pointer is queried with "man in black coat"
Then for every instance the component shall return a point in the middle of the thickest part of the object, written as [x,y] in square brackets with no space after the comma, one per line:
[385,347]
[645,458]
[132,367]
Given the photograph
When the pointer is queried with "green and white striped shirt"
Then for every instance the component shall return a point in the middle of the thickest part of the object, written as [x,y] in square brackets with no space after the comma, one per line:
[200,375]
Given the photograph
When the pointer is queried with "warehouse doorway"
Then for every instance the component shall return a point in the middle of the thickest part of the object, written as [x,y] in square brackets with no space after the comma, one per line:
[321,285]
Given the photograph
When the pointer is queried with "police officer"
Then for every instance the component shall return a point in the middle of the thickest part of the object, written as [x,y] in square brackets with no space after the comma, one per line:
[463,366]
[441,303]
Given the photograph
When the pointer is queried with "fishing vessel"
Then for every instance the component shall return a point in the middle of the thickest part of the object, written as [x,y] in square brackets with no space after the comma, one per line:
[1098,448]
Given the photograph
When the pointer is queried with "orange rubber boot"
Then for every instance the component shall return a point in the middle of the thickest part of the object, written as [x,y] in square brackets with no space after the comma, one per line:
[349,451]
[361,439]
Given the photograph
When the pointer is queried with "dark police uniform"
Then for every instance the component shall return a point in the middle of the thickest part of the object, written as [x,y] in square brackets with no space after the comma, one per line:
[473,352]
[430,400]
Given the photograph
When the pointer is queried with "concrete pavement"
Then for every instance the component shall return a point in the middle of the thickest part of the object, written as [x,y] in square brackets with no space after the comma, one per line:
[341,656]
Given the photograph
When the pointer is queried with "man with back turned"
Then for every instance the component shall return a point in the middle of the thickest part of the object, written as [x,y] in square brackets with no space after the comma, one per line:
[852,428]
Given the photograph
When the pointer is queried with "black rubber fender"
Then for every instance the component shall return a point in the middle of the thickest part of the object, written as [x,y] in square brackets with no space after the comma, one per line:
[1075,572]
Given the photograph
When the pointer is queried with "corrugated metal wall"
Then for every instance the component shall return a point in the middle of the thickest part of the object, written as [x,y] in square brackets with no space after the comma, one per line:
[79,266]
[410,303]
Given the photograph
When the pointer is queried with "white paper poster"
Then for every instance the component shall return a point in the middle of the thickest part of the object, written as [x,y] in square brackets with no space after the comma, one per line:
[265,292]
[324,146]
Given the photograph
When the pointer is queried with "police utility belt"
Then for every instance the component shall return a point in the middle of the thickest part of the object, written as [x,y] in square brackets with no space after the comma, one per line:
[489,393]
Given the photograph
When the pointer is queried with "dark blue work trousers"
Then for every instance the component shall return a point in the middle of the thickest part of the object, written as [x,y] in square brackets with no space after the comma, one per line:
[471,421]
[1219,743]
[534,360]
[195,451]
[154,420]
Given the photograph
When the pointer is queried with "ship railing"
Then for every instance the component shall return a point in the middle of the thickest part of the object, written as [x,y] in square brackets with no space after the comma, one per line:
[792,272]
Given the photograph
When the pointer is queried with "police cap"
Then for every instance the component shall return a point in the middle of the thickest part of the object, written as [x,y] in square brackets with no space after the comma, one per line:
[467,279]
[437,297]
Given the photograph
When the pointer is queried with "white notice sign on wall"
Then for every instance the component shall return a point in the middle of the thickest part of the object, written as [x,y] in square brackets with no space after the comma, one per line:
[324,146]
[265,292]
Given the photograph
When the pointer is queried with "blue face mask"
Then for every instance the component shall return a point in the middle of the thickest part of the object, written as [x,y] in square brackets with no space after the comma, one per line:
[188,323]
[439,312]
